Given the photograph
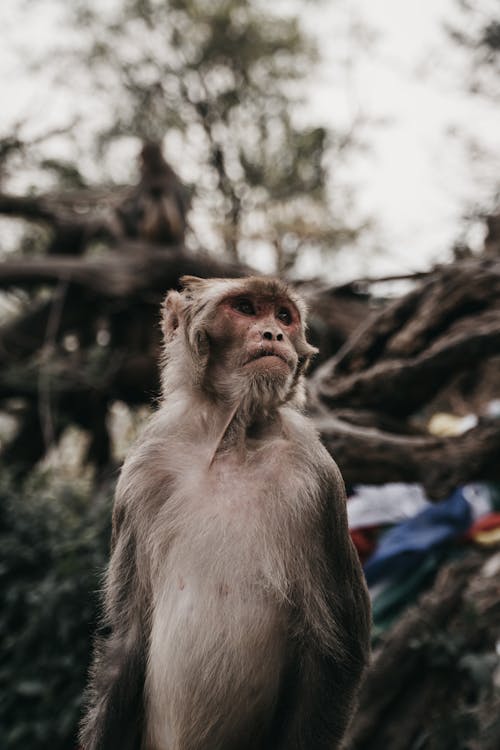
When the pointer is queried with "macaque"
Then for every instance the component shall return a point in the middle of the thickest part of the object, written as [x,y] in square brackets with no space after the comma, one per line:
[236,615]
[492,239]
[156,209]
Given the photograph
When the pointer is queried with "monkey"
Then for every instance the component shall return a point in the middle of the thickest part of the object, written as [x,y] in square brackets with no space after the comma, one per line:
[156,209]
[492,239]
[236,616]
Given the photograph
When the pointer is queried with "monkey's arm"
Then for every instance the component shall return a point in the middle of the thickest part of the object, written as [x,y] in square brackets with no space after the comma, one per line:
[115,697]
[329,669]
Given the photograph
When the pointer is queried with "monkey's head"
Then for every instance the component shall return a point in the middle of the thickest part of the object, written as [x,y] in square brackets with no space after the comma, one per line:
[236,339]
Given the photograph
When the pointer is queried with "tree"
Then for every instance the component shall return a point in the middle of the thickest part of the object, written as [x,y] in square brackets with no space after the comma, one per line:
[478,31]
[223,83]
[219,75]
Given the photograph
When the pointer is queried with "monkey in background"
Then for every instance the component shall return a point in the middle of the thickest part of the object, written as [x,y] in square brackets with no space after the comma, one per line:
[236,615]
[156,210]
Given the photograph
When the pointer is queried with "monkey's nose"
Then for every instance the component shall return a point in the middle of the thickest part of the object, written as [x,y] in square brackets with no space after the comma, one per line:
[269,336]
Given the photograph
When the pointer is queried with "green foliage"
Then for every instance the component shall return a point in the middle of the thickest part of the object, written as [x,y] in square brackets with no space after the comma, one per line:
[54,542]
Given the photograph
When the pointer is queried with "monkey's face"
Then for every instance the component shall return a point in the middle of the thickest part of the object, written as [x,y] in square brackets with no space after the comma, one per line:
[242,340]
[252,341]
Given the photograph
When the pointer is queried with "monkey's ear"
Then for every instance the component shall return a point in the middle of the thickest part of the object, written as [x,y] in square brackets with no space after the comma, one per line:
[310,351]
[171,314]
[190,281]
[305,350]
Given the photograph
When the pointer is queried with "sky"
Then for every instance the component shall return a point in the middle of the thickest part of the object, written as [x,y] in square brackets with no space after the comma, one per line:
[414,176]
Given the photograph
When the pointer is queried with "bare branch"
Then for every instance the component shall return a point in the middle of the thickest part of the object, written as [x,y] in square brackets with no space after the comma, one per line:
[370,456]
[138,270]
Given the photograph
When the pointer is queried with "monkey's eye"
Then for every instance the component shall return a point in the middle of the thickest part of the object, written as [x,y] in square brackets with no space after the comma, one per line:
[244,305]
[284,315]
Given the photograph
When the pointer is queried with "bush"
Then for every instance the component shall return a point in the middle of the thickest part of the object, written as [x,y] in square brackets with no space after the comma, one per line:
[54,546]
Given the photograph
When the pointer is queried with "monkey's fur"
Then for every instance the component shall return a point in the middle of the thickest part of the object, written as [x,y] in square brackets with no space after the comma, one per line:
[156,209]
[236,615]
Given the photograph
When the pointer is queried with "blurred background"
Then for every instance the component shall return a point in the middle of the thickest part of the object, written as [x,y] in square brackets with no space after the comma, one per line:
[350,146]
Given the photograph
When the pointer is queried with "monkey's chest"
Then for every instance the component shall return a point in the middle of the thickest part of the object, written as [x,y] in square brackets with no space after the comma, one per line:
[236,535]
[230,550]
[221,617]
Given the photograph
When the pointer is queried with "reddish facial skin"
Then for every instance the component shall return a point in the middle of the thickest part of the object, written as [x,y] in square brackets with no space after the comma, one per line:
[258,331]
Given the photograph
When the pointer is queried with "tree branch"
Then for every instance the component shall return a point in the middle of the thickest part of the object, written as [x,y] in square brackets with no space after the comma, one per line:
[370,456]
[399,387]
[27,208]
[134,272]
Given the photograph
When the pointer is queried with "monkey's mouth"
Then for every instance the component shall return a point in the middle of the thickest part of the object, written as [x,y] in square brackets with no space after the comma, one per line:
[263,353]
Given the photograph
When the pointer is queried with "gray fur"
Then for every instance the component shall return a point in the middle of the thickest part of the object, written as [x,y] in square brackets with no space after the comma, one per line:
[233,589]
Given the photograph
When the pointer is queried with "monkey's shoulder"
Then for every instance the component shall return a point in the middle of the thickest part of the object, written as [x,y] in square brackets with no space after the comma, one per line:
[296,425]
[168,460]
[146,473]
[305,442]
